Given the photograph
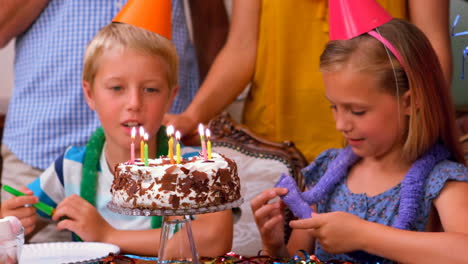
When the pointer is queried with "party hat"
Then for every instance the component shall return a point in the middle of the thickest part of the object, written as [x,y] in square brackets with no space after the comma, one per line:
[152,15]
[351,18]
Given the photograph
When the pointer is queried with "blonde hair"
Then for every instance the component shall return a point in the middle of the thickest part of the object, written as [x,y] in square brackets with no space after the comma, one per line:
[119,35]
[432,117]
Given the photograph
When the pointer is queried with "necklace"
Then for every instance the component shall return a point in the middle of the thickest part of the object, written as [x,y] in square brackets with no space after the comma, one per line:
[91,164]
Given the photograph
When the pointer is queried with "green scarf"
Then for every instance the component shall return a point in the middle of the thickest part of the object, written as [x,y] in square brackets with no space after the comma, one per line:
[91,164]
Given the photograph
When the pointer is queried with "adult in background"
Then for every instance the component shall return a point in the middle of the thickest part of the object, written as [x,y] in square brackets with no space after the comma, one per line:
[276,44]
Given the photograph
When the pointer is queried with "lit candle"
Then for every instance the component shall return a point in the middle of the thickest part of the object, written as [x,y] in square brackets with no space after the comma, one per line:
[170,133]
[142,144]
[177,135]
[201,131]
[132,146]
[146,149]
[208,135]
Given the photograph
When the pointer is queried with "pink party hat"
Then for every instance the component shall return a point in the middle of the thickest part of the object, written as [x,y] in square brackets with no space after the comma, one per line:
[351,18]
[153,15]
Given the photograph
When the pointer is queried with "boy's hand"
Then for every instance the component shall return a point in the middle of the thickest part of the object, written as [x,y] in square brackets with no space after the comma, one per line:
[337,232]
[82,218]
[20,207]
[269,218]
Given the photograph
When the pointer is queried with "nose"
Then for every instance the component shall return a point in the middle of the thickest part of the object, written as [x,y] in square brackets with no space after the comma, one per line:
[134,100]
[342,122]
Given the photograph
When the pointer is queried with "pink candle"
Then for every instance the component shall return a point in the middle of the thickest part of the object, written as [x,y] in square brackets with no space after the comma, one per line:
[142,144]
[201,131]
[132,146]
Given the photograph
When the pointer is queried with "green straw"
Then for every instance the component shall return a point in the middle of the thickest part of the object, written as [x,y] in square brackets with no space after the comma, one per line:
[47,209]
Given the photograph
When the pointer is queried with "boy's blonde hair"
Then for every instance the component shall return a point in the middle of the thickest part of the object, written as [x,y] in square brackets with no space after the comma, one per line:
[432,117]
[120,35]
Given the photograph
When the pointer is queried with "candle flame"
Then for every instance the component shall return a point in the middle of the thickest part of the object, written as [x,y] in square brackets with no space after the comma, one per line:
[177,135]
[208,133]
[201,129]
[146,136]
[170,130]
[142,131]
[133,132]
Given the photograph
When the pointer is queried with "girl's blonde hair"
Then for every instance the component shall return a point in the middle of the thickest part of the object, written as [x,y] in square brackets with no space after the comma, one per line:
[432,117]
[120,35]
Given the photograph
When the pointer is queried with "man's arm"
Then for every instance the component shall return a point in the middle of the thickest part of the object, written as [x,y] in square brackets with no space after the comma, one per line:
[16,16]
[432,17]
[210,25]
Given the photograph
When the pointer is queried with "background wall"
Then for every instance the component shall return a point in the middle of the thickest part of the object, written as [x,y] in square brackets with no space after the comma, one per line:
[6,75]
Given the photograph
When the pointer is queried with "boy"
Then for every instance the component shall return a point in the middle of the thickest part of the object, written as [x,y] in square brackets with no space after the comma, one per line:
[129,79]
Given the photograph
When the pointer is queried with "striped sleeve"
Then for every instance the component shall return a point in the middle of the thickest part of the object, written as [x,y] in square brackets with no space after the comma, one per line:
[48,187]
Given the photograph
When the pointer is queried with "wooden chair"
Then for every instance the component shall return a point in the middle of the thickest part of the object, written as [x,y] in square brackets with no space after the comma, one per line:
[464,143]
[260,163]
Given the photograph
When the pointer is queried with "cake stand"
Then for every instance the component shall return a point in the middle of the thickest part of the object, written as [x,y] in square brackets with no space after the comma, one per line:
[171,226]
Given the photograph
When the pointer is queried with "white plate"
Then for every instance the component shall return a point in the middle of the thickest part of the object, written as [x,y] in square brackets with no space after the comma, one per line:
[65,252]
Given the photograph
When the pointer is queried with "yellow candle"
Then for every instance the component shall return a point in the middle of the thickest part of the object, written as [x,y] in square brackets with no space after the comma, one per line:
[146,149]
[208,135]
[177,134]
[142,144]
[170,154]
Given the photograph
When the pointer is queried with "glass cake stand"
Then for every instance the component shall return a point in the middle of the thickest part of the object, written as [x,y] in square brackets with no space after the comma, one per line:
[172,226]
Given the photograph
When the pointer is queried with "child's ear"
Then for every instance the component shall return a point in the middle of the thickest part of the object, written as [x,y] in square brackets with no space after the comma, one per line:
[406,102]
[172,96]
[88,94]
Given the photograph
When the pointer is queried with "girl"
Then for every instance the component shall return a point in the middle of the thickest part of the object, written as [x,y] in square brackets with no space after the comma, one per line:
[402,176]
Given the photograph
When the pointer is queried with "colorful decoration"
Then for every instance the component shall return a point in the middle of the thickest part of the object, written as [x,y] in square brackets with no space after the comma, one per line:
[208,144]
[132,146]
[301,257]
[142,143]
[465,50]
[170,134]
[178,157]
[201,131]
[146,149]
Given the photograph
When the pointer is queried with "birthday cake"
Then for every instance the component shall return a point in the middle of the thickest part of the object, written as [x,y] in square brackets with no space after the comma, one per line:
[192,184]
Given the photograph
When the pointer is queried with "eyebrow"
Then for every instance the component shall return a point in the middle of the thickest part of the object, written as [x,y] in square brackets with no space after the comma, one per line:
[348,105]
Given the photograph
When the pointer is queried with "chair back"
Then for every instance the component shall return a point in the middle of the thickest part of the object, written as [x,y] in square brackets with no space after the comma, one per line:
[260,163]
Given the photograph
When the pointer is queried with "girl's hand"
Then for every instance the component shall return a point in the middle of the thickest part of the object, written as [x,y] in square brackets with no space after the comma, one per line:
[20,207]
[82,218]
[337,232]
[269,218]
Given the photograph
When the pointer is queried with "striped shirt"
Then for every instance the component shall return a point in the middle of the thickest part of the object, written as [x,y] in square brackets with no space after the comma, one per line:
[47,111]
